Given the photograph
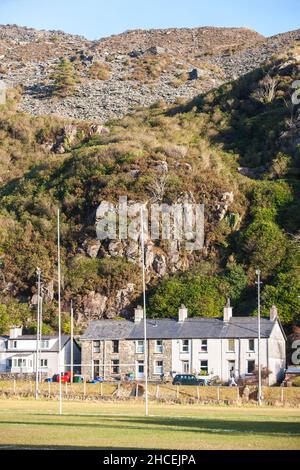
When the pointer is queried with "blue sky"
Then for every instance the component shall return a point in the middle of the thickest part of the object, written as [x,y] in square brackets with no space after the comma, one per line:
[99,18]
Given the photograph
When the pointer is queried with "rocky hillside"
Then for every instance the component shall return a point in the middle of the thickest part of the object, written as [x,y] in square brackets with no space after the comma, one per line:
[119,74]
[235,148]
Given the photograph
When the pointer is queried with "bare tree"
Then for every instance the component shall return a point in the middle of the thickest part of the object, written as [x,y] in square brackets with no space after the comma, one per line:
[157,187]
[267,89]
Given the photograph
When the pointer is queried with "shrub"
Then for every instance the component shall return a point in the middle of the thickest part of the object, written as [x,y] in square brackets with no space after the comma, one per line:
[99,71]
[296,382]
[65,78]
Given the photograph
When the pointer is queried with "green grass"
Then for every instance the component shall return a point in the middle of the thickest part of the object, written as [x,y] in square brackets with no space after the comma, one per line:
[30,424]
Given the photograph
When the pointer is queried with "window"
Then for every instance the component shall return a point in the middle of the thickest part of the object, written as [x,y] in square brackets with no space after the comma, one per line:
[115,346]
[185,346]
[251,345]
[14,344]
[140,347]
[203,367]
[45,344]
[203,347]
[44,362]
[21,363]
[159,367]
[231,345]
[159,346]
[96,346]
[15,363]
[185,367]
[250,367]
[115,366]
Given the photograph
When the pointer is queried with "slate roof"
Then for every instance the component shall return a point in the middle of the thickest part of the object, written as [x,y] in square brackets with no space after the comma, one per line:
[205,328]
[64,340]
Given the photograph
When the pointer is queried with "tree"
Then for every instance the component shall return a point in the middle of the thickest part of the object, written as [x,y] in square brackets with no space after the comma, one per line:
[201,294]
[284,294]
[4,319]
[64,78]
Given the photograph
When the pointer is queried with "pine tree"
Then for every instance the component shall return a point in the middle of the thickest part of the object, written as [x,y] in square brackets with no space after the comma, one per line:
[65,78]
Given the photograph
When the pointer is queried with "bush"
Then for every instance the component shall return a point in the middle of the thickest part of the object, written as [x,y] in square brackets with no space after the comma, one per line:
[296,382]
[99,71]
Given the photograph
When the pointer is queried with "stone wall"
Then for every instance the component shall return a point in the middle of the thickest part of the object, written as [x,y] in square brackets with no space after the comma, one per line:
[25,377]
[127,357]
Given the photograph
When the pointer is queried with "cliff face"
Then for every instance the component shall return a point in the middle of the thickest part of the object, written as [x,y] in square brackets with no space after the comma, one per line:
[235,149]
[140,67]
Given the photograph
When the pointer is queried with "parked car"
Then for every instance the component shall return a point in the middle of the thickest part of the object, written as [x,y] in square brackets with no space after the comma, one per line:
[189,379]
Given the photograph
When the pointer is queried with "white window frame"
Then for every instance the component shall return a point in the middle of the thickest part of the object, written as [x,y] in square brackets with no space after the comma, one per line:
[185,343]
[158,370]
[205,345]
[44,363]
[45,344]
[206,368]
[249,349]
[159,348]
[14,344]
[140,346]
[247,366]
[115,363]
[96,347]
[228,345]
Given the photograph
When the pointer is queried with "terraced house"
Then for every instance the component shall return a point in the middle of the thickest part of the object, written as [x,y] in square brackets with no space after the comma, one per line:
[212,346]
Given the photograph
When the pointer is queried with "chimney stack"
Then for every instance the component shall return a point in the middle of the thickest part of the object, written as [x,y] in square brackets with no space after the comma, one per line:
[182,313]
[14,332]
[138,314]
[273,313]
[227,312]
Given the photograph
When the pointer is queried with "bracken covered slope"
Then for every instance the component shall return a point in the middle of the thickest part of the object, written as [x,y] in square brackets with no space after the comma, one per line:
[235,149]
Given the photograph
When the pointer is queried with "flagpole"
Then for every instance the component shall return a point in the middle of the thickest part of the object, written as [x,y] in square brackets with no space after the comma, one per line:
[41,335]
[258,273]
[145,319]
[59,309]
[38,272]
[72,340]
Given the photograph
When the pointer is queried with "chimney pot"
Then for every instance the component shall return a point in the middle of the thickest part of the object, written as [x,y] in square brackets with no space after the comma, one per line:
[15,331]
[182,313]
[227,312]
[138,314]
[273,313]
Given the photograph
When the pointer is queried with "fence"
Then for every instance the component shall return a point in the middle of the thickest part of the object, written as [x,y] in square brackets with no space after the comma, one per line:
[159,392]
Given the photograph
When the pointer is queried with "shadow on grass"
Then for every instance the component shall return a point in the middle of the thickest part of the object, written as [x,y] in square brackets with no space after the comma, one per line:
[160,424]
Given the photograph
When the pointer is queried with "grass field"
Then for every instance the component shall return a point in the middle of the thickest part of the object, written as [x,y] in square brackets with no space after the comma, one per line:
[104,425]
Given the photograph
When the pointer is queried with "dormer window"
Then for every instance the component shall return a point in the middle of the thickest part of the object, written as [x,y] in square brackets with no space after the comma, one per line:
[14,344]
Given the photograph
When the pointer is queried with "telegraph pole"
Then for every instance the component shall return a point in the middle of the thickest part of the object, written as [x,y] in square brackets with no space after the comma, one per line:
[41,333]
[59,309]
[145,319]
[72,340]
[38,272]
[258,273]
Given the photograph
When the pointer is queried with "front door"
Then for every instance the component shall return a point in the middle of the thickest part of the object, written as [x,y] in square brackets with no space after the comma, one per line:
[140,370]
[96,369]
[231,369]
[185,367]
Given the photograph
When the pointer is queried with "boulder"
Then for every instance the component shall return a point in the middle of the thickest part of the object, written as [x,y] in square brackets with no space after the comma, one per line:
[94,304]
[92,247]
